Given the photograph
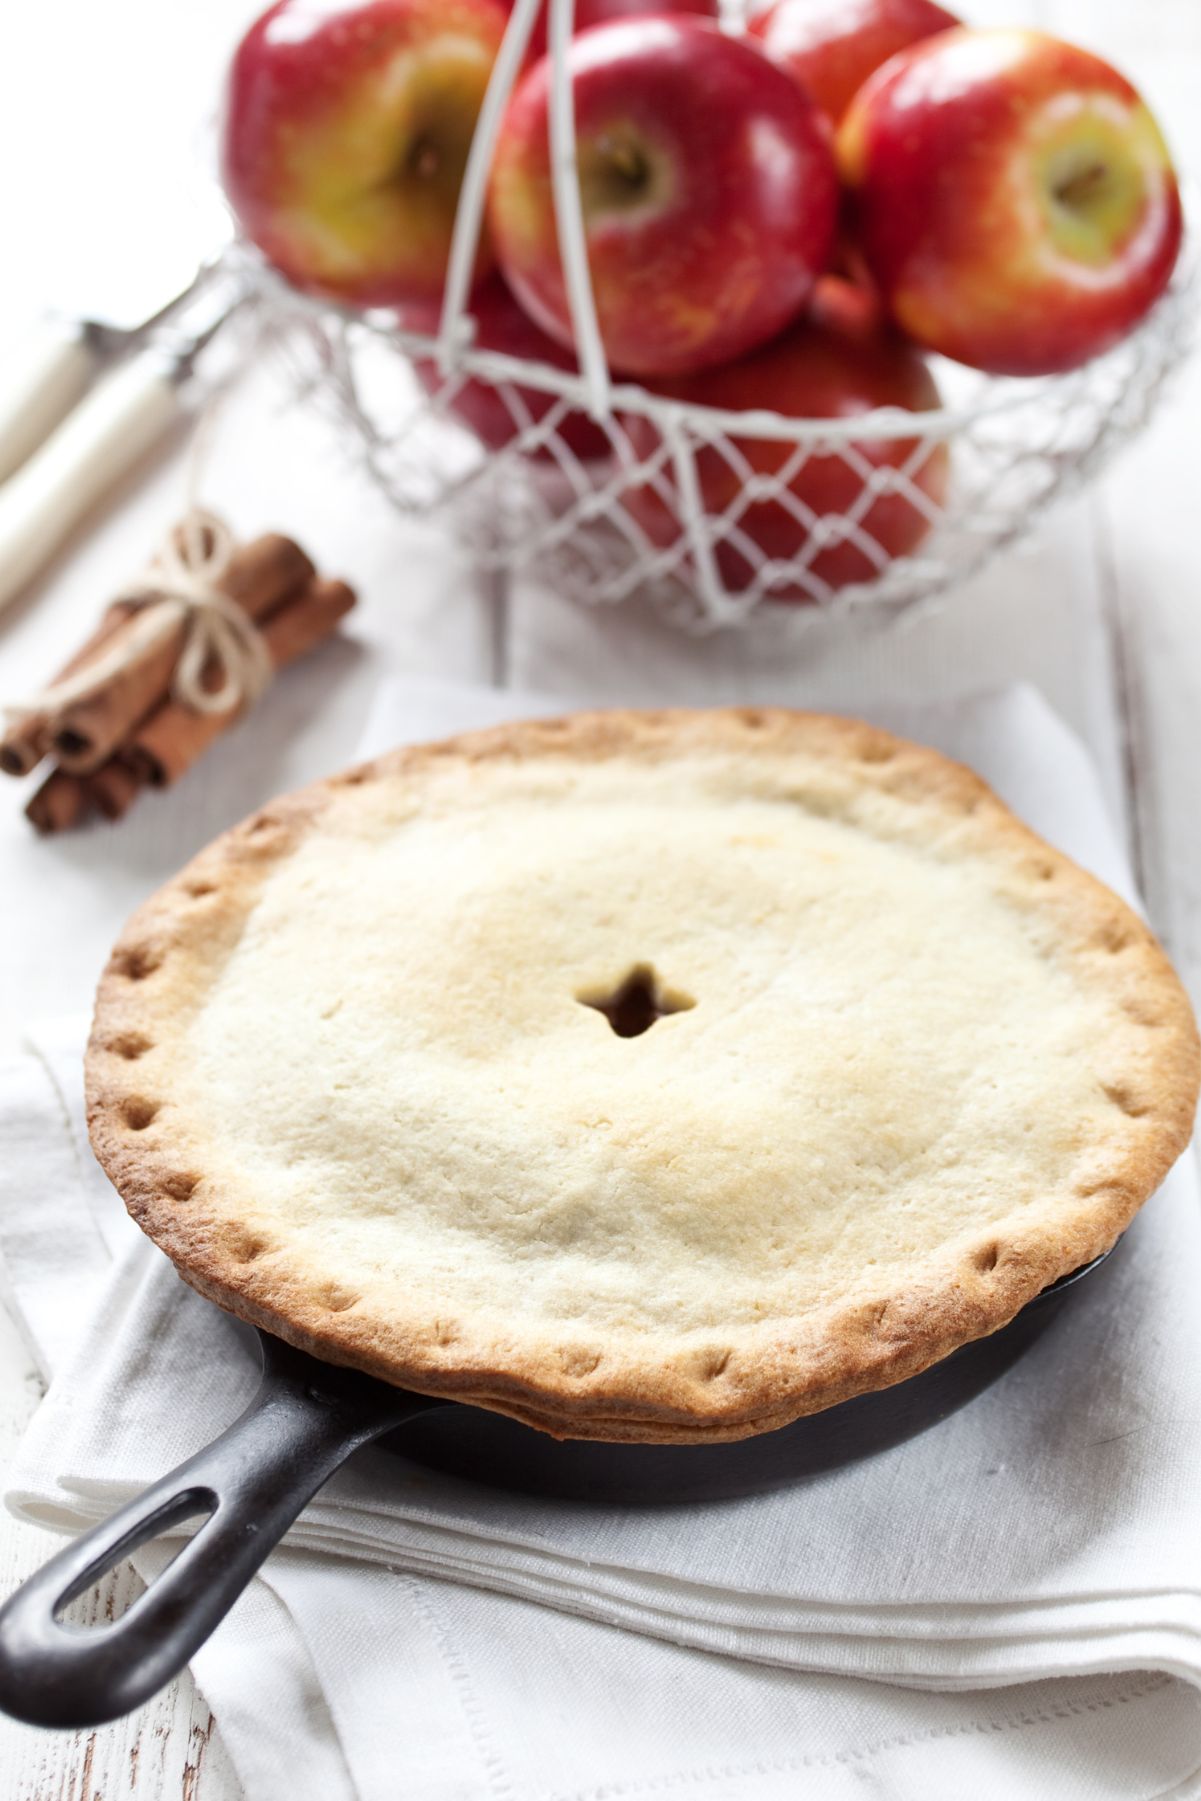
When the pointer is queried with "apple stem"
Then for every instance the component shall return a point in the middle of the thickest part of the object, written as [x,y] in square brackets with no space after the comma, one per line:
[625,159]
[1080,188]
[424,160]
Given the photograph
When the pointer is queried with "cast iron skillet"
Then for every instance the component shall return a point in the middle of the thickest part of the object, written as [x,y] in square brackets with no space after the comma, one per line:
[305,1421]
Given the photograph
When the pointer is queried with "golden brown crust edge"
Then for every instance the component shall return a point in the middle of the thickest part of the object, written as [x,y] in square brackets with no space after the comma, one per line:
[765,1375]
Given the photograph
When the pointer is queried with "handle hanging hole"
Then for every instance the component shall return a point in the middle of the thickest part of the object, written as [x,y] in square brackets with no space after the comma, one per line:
[79,1606]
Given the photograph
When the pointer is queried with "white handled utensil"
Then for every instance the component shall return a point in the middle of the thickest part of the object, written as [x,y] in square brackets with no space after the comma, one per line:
[50,368]
[50,372]
[118,421]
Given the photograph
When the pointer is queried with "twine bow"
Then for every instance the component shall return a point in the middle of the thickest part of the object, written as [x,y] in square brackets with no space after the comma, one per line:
[179,589]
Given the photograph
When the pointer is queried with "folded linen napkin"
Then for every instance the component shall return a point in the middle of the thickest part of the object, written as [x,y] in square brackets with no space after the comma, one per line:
[1047,1532]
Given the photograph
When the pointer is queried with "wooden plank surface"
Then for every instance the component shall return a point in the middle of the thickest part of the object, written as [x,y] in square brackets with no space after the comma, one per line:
[1101,611]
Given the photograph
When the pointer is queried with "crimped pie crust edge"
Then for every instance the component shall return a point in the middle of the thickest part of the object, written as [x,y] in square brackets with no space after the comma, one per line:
[765,1375]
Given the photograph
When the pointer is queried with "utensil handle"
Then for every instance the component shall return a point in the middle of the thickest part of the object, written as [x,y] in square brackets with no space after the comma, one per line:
[124,415]
[252,1483]
[47,374]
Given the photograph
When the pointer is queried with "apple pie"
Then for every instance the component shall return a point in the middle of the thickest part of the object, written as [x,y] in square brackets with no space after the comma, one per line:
[644,1076]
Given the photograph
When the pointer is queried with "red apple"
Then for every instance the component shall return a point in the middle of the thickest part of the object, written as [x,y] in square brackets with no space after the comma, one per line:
[849,305]
[708,190]
[1014,197]
[347,126]
[832,46]
[500,324]
[814,371]
[601,12]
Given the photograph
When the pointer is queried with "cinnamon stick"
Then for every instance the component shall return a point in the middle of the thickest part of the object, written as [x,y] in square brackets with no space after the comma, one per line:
[261,576]
[27,739]
[65,800]
[113,788]
[167,743]
[60,803]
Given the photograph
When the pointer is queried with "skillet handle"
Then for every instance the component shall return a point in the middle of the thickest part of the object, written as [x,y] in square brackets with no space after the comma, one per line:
[252,1482]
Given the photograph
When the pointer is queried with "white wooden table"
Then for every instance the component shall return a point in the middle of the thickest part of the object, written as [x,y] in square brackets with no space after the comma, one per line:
[1103,612]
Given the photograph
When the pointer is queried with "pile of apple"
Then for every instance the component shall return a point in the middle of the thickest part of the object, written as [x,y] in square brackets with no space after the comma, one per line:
[784,219]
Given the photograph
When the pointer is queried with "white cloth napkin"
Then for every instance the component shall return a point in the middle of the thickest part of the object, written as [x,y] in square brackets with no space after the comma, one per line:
[1045,1538]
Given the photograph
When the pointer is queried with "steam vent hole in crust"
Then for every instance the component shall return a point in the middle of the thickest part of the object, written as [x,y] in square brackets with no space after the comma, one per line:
[638,1000]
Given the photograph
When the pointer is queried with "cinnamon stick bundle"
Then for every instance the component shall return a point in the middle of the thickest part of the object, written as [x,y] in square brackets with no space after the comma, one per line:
[260,576]
[167,744]
[132,732]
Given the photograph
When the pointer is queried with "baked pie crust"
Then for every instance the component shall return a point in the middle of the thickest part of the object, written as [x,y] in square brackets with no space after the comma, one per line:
[894,1065]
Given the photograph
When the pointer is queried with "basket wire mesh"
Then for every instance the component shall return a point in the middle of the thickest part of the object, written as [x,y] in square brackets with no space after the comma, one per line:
[608,489]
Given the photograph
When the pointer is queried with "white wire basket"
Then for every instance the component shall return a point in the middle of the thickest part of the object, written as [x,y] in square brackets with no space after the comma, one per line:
[615,494]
